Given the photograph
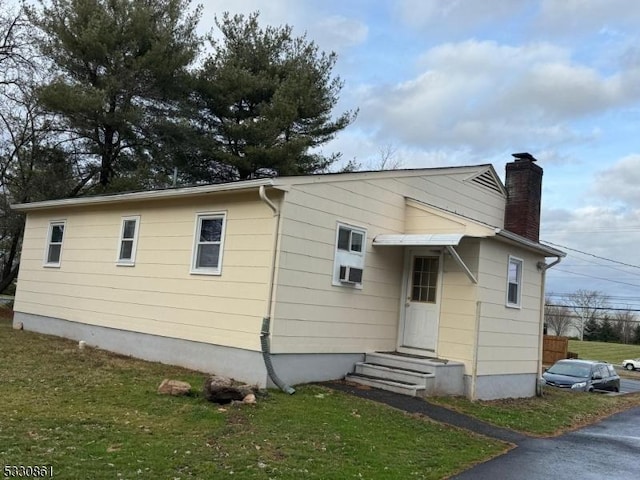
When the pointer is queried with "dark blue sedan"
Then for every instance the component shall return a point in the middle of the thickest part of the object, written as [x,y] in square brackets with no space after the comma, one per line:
[582,376]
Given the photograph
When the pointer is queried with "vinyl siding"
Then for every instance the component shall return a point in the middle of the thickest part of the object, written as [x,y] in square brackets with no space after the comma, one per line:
[312,315]
[457,329]
[508,333]
[158,295]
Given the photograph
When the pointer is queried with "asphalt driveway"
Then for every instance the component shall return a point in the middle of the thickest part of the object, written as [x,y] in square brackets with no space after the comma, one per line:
[609,450]
[629,386]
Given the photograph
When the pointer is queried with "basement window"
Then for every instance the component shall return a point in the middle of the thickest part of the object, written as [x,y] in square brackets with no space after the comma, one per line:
[208,244]
[128,241]
[55,235]
[348,264]
[514,282]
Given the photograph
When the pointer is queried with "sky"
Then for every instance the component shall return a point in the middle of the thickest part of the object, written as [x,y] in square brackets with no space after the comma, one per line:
[466,82]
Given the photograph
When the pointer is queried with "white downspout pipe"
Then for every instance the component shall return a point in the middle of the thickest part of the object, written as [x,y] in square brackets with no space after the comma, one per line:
[266,320]
[543,267]
[474,365]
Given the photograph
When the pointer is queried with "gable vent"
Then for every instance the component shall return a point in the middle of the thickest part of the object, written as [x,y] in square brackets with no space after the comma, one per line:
[487,180]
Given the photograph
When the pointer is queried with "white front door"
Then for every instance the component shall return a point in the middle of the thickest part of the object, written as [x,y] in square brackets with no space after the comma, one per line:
[419,329]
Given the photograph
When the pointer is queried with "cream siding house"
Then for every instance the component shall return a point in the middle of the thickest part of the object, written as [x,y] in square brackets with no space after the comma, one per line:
[298,279]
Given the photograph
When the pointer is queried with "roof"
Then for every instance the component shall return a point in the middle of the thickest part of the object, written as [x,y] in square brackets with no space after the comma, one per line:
[457,226]
[484,171]
[143,195]
[483,175]
[511,237]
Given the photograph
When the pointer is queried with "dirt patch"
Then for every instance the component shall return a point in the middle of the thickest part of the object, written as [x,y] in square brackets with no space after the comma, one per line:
[6,313]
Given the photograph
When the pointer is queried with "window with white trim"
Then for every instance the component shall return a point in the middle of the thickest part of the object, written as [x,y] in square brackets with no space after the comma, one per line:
[55,236]
[514,282]
[208,244]
[128,240]
[348,264]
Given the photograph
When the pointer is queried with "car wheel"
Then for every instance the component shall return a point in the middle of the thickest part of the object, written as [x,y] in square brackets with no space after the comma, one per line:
[629,366]
[616,389]
[590,389]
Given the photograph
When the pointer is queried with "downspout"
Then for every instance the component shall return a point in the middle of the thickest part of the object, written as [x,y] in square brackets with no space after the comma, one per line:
[266,320]
[543,267]
[474,366]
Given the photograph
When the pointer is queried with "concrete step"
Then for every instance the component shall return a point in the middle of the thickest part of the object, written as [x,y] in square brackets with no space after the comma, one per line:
[438,376]
[403,388]
[406,362]
[392,373]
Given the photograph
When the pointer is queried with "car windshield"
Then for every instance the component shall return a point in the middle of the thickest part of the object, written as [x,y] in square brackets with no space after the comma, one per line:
[570,370]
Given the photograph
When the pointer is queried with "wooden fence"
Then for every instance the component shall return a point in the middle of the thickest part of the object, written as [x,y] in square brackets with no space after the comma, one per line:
[554,349]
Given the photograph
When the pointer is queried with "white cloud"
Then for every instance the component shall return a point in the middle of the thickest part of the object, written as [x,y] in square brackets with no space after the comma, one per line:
[454,16]
[367,149]
[271,13]
[329,31]
[485,96]
[336,33]
[603,231]
[576,17]
[607,225]
[620,182]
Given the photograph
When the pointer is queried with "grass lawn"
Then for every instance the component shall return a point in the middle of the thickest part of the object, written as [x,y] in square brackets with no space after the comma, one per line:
[609,352]
[555,412]
[92,414]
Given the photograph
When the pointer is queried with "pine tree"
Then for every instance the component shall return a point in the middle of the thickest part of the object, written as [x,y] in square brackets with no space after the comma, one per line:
[607,332]
[265,100]
[636,334]
[120,67]
[592,330]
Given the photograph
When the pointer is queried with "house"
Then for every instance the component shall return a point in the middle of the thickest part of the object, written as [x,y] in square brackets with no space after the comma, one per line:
[431,272]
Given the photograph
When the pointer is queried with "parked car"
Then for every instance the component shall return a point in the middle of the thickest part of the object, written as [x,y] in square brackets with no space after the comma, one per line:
[632,364]
[582,375]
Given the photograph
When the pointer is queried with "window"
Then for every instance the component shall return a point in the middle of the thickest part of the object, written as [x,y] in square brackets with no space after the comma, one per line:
[514,282]
[54,244]
[207,247]
[604,371]
[424,281]
[128,241]
[348,264]
[349,239]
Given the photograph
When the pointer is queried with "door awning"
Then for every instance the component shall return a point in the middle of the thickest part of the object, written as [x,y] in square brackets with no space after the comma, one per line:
[418,240]
[447,240]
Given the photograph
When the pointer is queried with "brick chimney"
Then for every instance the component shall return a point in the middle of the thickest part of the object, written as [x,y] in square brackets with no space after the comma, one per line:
[524,193]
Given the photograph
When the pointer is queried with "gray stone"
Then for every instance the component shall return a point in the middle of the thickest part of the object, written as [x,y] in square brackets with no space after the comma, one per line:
[224,390]
[174,387]
[250,398]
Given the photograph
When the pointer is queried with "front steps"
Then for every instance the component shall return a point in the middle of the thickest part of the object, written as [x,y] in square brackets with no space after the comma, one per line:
[411,375]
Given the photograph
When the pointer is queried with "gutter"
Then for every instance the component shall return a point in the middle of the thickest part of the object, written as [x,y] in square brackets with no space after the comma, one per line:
[266,320]
[525,242]
[180,192]
[543,267]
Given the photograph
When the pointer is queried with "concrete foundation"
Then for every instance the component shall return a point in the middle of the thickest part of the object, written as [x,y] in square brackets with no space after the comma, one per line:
[244,365]
[492,387]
